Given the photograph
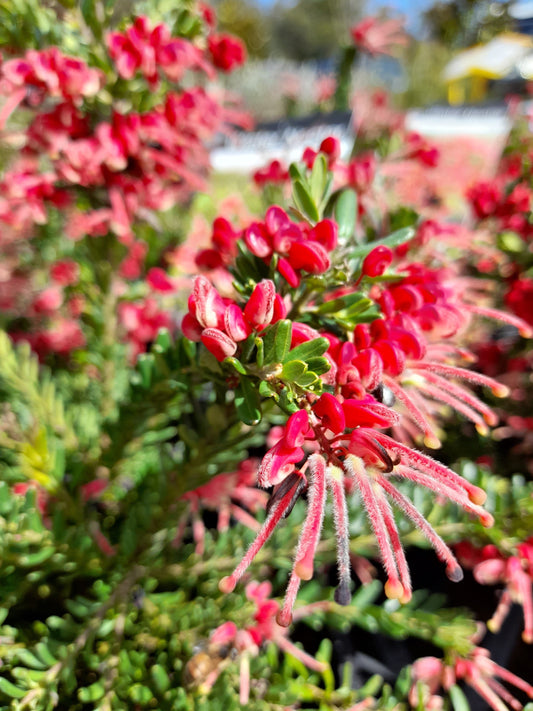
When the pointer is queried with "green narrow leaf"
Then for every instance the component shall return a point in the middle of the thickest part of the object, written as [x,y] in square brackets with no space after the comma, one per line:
[309,349]
[146,366]
[318,179]
[160,678]
[458,699]
[9,689]
[94,692]
[297,171]
[260,358]
[29,660]
[304,201]
[342,302]
[45,655]
[247,403]
[239,367]
[345,212]
[163,340]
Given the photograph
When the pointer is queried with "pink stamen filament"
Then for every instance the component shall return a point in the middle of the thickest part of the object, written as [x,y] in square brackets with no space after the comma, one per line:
[504,694]
[455,372]
[275,514]
[312,528]
[484,690]
[496,670]
[443,348]
[284,616]
[340,517]
[433,468]
[467,397]
[523,327]
[443,489]
[416,414]
[501,612]
[355,467]
[310,662]
[453,569]
[399,553]
[460,407]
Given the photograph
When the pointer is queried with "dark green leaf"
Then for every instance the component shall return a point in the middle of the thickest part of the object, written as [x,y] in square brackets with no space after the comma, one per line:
[277,341]
[318,365]
[247,403]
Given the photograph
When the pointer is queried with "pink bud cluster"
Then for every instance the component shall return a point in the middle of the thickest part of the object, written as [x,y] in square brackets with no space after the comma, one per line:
[298,247]
[221,324]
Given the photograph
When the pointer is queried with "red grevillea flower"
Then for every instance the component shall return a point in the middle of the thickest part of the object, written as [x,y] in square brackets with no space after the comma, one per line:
[247,641]
[515,572]
[227,53]
[229,494]
[352,452]
[477,670]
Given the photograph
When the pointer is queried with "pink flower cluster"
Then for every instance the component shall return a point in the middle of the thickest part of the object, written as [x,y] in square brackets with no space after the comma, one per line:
[221,324]
[491,567]
[297,246]
[141,48]
[247,641]
[477,669]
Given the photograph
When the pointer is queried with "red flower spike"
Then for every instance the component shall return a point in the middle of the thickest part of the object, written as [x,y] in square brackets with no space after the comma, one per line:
[260,307]
[310,533]
[377,261]
[218,343]
[276,513]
